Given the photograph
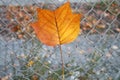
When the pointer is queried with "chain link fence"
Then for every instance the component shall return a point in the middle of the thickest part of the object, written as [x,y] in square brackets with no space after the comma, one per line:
[94,55]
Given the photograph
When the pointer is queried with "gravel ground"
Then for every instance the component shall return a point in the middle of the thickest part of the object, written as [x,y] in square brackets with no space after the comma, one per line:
[107,47]
[81,46]
[28,2]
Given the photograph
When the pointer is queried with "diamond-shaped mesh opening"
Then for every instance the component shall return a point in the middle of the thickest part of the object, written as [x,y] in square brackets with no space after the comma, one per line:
[114,7]
[94,55]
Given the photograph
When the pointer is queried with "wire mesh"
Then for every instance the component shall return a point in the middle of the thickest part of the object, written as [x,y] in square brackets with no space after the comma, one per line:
[94,55]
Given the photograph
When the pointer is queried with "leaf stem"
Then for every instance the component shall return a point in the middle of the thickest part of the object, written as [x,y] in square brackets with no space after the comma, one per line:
[63,76]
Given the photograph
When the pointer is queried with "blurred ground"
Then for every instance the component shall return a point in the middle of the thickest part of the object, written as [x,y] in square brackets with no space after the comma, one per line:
[79,53]
[29,2]
[15,20]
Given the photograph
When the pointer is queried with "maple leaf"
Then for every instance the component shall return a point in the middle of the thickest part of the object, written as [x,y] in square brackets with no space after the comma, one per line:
[57,27]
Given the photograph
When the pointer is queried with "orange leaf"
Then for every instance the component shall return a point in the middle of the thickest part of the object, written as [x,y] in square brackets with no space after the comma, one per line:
[57,27]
